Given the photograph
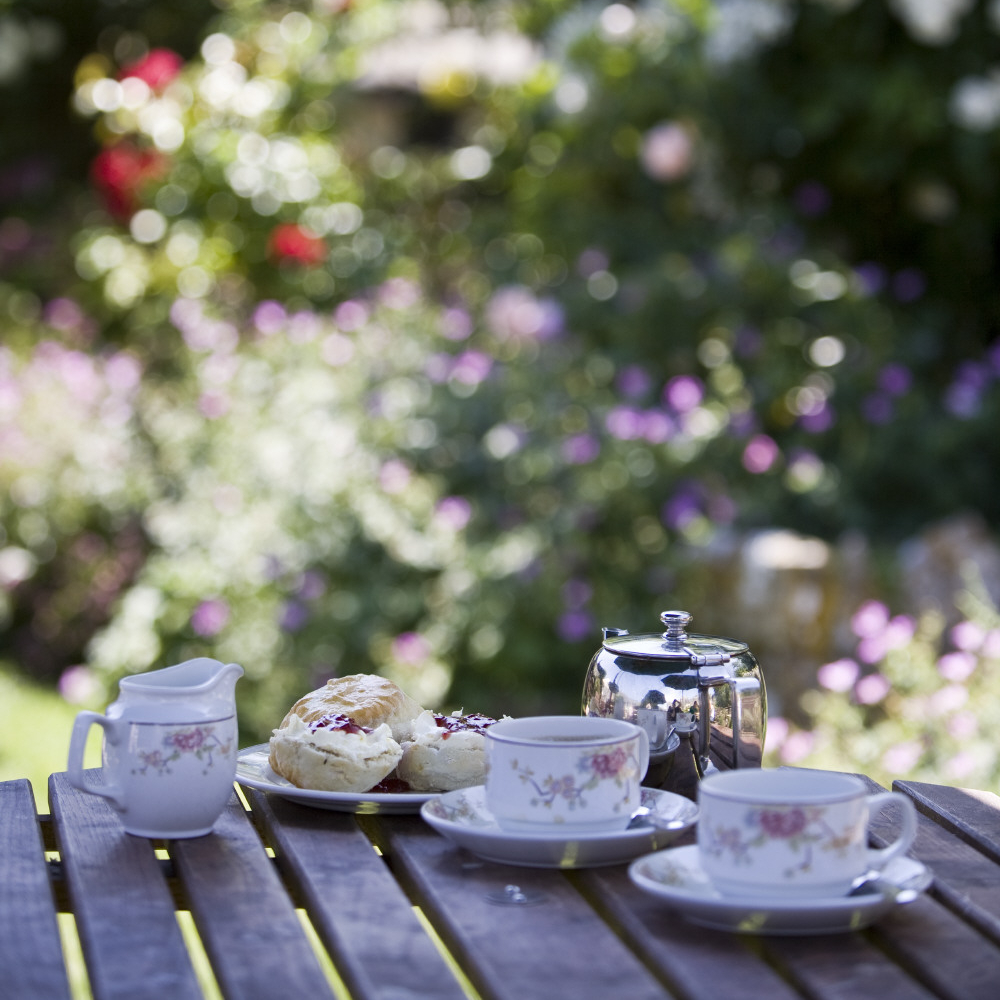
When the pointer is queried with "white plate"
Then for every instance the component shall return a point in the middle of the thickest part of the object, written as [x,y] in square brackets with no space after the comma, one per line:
[676,877]
[463,818]
[253,770]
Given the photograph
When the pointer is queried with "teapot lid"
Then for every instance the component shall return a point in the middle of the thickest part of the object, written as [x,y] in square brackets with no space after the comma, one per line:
[675,643]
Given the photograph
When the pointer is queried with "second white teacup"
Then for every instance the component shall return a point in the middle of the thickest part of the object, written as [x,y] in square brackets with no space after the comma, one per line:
[579,773]
[792,834]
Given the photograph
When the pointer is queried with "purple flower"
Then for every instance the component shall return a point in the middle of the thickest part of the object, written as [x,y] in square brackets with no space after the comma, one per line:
[871,689]
[957,666]
[895,379]
[681,509]
[210,617]
[581,449]
[515,313]
[576,593]
[453,512]
[410,648]
[573,626]
[657,426]
[818,421]
[591,261]
[269,317]
[456,324]
[633,381]
[294,616]
[812,199]
[350,315]
[908,285]
[870,619]
[871,277]
[748,342]
[683,393]
[760,453]
[471,367]
[877,408]
[625,423]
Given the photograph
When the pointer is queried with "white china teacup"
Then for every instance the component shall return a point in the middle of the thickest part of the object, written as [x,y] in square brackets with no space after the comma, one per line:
[568,772]
[792,834]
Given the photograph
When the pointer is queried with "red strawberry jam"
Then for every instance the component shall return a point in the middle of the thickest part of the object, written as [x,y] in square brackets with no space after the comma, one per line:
[463,723]
[391,785]
[342,723]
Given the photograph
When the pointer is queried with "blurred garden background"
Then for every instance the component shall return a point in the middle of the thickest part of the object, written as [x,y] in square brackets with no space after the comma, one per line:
[428,337]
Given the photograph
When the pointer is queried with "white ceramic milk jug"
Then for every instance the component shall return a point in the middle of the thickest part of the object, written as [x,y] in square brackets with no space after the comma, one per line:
[170,742]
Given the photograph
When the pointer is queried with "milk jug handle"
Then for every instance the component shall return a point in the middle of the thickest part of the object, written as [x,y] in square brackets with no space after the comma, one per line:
[77,743]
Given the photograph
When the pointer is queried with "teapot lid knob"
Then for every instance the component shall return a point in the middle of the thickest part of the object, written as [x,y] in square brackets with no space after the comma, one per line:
[676,623]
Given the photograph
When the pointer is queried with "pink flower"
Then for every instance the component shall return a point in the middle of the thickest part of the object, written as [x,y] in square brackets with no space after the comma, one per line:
[871,618]
[156,69]
[783,823]
[188,740]
[839,675]
[411,648]
[609,765]
[967,636]
[210,617]
[957,666]
[760,454]
[872,689]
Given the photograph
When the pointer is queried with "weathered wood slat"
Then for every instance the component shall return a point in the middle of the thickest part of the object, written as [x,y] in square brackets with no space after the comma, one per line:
[972,815]
[124,910]
[31,959]
[363,917]
[940,950]
[556,948]
[932,937]
[244,915]
[684,956]
[842,967]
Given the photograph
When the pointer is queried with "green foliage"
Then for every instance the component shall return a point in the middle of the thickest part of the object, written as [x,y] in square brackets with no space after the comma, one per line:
[421,338]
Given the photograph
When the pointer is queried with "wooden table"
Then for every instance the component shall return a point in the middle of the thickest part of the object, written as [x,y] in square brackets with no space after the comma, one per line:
[401,913]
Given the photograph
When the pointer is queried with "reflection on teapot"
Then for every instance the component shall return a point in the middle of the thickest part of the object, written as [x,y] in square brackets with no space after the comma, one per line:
[704,692]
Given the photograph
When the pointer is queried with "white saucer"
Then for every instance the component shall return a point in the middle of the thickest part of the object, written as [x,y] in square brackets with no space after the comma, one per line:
[253,770]
[463,818]
[676,877]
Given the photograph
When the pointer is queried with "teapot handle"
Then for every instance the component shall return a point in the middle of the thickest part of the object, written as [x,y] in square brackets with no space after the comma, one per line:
[740,686]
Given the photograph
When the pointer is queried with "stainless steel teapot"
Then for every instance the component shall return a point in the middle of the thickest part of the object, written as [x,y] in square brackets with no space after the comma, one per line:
[701,699]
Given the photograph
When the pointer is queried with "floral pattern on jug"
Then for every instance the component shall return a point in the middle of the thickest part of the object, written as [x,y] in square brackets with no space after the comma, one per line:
[804,829]
[201,741]
[593,767]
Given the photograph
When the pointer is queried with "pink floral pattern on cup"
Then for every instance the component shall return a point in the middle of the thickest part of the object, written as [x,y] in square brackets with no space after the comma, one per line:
[804,829]
[593,767]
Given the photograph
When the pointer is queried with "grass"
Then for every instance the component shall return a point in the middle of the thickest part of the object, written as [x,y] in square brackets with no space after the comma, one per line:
[36,724]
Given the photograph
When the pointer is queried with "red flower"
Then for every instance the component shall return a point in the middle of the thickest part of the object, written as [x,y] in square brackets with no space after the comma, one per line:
[290,242]
[156,69]
[119,173]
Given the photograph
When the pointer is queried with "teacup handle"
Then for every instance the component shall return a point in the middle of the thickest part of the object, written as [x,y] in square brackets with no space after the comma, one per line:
[879,858]
[643,752]
[77,743]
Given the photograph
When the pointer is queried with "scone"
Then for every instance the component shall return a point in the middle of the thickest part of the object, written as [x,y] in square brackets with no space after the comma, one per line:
[368,699]
[333,753]
[447,752]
